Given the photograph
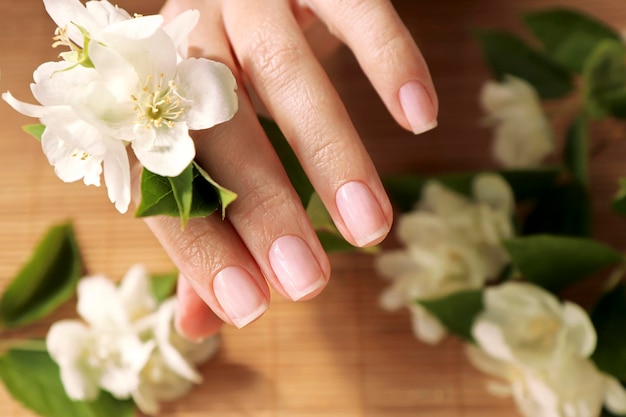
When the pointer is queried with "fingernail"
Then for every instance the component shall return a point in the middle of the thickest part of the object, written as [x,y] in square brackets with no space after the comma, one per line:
[418,107]
[295,266]
[239,296]
[361,213]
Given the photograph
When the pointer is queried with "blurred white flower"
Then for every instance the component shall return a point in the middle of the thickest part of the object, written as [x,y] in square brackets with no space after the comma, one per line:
[523,137]
[124,81]
[127,345]
[106,352]
[522,323]
[540,350]
[451,243]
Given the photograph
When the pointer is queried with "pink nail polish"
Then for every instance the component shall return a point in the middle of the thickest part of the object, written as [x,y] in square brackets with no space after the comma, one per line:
[295,266]
[418,107]
[238,294]
[361,213]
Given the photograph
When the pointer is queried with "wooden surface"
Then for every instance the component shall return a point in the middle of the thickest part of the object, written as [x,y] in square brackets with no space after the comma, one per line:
[338,355]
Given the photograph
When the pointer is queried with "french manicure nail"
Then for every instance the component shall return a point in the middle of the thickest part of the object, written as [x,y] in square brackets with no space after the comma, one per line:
[238,294]
[418,107]
[361,213]
[295,266]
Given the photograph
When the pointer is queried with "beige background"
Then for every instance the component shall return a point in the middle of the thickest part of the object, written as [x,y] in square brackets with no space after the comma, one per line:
[338,355]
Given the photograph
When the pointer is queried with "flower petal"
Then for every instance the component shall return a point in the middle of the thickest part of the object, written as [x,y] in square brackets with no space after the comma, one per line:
[171,355]
[30,110]
[494,191]
[615,397]
[180,28]
[115,71]
[135,293]
[53,81]
[581,333]
[138,28]
[117,175]
[211,88]
[70,164]
[99,303]
[164,151]
[426,327]
[106,13]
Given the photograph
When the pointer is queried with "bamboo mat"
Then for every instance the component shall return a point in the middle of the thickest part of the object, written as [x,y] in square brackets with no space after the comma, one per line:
[338,355]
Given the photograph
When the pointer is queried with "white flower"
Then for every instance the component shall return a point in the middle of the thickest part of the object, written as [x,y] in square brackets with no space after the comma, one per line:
[128,346]
[452,243]
[107,352]
[523,137]
[522,323]
[541,348]
[569,387]
[125,81]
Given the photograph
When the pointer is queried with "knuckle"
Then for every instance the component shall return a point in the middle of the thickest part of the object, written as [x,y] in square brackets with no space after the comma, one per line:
[272,55]
[195,253]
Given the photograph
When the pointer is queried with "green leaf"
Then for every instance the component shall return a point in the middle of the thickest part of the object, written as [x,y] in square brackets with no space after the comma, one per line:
[567,35]
[554,262]
[288,158]
[405,191]
[577,149]
[564,209]
[182,190]
[163,285]
[35,130]
[619,201]
[604,77]
[158,198]
[46,281]
[508,54]
[456,311]
[225,195]
[609,320]
[34,380]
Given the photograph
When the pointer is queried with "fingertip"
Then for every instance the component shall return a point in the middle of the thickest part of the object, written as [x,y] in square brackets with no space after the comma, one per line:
[418,106]
[194,320]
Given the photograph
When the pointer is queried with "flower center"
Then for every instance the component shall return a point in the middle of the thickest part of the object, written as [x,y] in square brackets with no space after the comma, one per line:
[159,104]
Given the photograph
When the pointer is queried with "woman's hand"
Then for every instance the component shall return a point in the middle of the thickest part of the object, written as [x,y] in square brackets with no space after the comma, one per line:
[267,239]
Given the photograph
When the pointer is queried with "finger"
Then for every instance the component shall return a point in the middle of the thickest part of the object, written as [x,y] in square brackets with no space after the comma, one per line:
[273,53]
[267,216]
[194,320]
[388,55]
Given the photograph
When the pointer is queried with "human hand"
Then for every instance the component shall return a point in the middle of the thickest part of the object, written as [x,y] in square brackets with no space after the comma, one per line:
[267,239]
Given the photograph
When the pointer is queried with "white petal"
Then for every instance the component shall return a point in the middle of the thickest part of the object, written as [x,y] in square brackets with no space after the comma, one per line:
[164,151]
[615,398]
[135,292]
[180,28]
[426,327]
[64,123]
[117,73]
[117,175]
[53,81]
[581,332]
[70,164]
[171,355]
[30,110]
[487,364]
[99,303]
[106,13]
[491,339]
[211,88]
[494,191]
[66,341]
[137,28]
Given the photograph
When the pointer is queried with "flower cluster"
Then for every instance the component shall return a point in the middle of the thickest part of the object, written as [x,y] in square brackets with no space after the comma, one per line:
[124,81]
[452,243]
[541,348]
[126,346]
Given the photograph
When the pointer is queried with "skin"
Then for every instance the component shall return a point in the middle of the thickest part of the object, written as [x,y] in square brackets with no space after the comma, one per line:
[227,266]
